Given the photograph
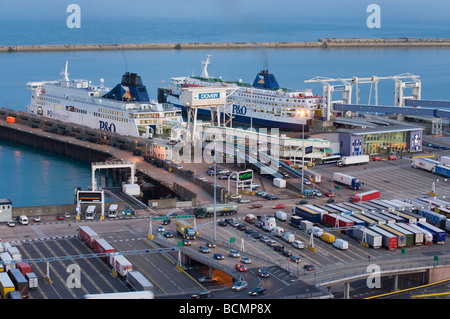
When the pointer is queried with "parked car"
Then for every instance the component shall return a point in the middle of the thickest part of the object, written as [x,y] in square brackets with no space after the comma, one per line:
[377,159]
[60,217]
[67,215]
[238,286]
[241,227]
[279,248]
[287,253]
[249,231]
[37,218]
[234,224]
[264,239]
[392,157]
[256,235]
[257,291]
[10,223]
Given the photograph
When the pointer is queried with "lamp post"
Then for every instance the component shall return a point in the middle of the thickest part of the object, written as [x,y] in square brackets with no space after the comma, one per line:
[215,191]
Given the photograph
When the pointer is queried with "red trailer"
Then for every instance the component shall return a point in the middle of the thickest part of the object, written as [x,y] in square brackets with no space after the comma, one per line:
[330,220]
[101,246]
[86,234]
[24,267]
[362,197]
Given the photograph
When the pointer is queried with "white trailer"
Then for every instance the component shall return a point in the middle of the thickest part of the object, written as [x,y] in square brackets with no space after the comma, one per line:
[268,223]
[277,231]
[425,164]
[280,215]
[112,210]
[353,160]
[288,237]
[279,182]
[445,160]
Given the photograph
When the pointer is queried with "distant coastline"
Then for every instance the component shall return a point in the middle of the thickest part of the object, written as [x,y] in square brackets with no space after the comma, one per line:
[320,43]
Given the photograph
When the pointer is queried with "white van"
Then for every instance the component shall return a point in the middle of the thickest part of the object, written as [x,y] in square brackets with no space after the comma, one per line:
[298,244]
[277,231]
[316,231]
[23,219]
[340,244]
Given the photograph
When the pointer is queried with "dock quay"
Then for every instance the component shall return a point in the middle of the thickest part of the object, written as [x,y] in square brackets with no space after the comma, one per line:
[91,145]
[320,43]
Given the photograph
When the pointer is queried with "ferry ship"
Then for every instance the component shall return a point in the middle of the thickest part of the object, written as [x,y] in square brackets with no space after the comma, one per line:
[125,109]
[262,104]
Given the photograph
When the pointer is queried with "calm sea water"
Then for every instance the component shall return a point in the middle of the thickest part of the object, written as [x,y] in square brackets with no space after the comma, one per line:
[31,177]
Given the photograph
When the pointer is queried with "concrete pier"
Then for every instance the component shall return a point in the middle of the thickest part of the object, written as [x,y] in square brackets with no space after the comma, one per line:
[320,43]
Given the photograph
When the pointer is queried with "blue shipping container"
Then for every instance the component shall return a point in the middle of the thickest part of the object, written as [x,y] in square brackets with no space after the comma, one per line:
[442,170]
[433,218]
[308,214]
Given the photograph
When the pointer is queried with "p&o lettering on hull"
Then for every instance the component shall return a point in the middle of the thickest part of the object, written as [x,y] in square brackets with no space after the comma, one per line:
[107,127]
[239,110]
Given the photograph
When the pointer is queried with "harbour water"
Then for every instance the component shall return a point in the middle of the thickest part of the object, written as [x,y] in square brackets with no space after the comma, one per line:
[31,177]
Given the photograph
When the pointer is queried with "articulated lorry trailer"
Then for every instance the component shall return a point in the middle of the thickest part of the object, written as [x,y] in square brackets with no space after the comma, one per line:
[362,197]
[221,210]
[350,181]
[353,160]
[425,164]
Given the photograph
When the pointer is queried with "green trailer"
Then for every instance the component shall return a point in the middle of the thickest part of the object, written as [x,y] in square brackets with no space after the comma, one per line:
[221,210]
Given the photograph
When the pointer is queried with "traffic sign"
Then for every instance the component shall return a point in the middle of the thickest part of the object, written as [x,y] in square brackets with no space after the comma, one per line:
[232,240]
[337,187]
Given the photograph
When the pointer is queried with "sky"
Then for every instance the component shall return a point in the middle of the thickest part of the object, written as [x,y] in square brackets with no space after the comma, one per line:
[410,10]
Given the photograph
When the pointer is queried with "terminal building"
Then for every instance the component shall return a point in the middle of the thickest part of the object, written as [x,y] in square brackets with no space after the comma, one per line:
[373,141]
[5,210]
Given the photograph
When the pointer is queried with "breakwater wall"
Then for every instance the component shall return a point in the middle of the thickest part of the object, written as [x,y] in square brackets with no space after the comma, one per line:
[320,43]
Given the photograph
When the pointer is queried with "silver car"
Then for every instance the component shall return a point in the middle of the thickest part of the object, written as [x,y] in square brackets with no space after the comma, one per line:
[239,285]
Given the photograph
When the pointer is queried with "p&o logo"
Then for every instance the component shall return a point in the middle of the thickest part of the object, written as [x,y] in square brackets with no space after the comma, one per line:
[239,110]
[107,127]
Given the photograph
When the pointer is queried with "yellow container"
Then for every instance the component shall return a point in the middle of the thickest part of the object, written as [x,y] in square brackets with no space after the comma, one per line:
[327,237]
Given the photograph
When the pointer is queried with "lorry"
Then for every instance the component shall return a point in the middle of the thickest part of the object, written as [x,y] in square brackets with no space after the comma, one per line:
[334,220]
[433,218]
[19,281]
[268,222]
[280,215]
[307,214]
[250,218]
[316,231]
[101,246]
[295,221]
[185,229]
[425,164]
[305,225]
[367,236]
[288,237]
[7,261]
[87,235]
[32,280]
[120,264]
[14,253]
[340,244]
[389,240]
[328,237]
[221,210]
[362,197]
[277,231]
[138,282]
[23,267]
[6,285]
[443,170]
[353,160]
[279,182]
[445,160]
[438,234]
[350,181]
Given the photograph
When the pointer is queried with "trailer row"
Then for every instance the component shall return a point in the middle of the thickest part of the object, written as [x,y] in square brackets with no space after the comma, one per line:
[16,277]
[377,229]
[119,263]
